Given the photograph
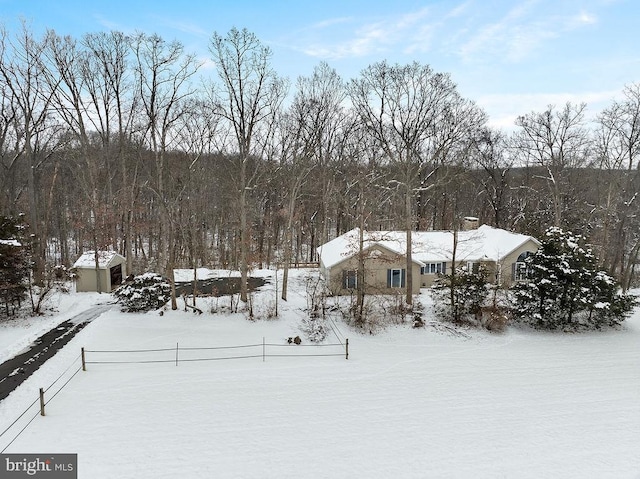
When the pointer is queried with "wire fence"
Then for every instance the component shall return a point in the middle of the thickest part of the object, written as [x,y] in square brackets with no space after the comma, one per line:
[44,398]
[180,354]
[175,355]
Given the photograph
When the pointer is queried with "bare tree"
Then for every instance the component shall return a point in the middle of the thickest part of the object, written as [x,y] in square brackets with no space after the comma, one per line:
[489,154]
[66,75]
[196,133]
[418,119]
[164,73]
[556,141]
[9,152]
[114,103]
[251,93]
[312,123]
[22,74]
[617,145]
[326,125]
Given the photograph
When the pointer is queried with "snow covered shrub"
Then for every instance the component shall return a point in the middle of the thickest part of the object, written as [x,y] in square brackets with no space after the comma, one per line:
[315,327]
[458,297]
[565,288]
[146,292]
[492,318]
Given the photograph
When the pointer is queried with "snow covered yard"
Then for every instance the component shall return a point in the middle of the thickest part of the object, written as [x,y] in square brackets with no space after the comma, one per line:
[408,403]
[17,333]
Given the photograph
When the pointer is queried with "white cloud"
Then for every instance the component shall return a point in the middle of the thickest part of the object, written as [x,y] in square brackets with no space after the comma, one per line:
[458,10]
[512,37]
[581,19]
[330,22]
[521,31]
[185,27]
[373,37]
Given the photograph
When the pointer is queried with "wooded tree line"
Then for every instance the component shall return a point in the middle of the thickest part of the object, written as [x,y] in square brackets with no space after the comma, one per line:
[133,144]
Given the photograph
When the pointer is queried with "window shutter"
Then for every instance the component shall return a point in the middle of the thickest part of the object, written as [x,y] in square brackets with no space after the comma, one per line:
[344,279]
[444,267]
[402,278]
[388,278]
[513,272]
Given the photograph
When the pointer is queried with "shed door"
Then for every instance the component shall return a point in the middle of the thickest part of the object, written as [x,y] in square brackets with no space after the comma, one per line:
[116,275]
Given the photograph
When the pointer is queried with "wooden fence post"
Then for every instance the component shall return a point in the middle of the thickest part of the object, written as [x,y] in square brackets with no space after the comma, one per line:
[84,363]
[177,352]
[41,402]
[263,349]
[346,348]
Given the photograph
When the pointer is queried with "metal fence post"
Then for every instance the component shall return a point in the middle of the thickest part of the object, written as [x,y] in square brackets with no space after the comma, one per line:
[346,348]
[41,401]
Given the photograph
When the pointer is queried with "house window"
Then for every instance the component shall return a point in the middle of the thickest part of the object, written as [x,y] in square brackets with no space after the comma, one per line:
[473,267]
[396,278]
[521,270]
[350,279]
[434,268]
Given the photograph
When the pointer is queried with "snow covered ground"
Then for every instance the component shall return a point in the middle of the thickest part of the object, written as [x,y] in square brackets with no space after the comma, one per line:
[16,334]
[408,403]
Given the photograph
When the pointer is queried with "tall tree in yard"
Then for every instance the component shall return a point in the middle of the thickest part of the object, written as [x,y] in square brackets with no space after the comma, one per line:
[164,73]
[68,76]
[114,104]
[22,74]
[250,95]
[555,141]
[311,124]
[418,119]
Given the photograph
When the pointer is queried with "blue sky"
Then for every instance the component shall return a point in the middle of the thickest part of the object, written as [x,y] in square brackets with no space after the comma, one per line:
[511,57]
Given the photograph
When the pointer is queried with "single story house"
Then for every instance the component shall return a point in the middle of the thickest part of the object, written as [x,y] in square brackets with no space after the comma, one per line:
[501,252]
[111,271]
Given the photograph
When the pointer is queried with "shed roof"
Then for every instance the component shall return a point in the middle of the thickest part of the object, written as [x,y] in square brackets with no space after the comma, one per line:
[105,259]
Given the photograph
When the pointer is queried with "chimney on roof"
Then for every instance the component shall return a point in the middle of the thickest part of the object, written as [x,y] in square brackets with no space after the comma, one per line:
[470,223]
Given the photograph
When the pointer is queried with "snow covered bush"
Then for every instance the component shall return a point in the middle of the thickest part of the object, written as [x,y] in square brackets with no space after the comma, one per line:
[315,327]
[146,292]
[566,289]
[458,297]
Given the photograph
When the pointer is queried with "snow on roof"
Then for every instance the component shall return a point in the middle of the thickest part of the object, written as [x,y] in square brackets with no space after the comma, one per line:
[482,244]
[88,259]
[346,245]
[10,242]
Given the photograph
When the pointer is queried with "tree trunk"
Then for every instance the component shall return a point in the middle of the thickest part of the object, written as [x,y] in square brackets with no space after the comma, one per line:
[244,232]
[409,226]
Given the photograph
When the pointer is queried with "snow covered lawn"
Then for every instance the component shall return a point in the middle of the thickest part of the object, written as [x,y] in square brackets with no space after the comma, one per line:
[16,334]
[408,403]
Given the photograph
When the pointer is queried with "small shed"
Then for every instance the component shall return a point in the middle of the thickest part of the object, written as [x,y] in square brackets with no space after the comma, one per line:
[111,271]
